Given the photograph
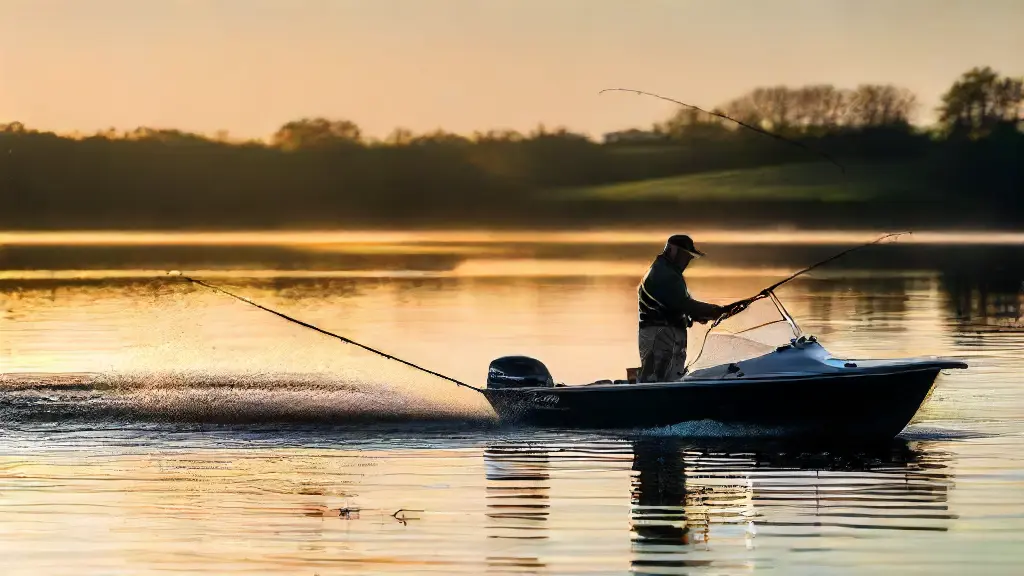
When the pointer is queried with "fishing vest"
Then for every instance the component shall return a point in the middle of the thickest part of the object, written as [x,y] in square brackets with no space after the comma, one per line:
[662,295]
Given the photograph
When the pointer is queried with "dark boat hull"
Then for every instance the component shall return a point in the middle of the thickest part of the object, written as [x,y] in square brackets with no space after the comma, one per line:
[875,404]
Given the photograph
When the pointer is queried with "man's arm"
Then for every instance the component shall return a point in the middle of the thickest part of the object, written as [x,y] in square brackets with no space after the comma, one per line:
[669,290]
[701,311]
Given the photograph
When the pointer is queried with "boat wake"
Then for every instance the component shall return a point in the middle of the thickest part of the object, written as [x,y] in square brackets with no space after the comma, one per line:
[228,399]
[938,431]
[713,429]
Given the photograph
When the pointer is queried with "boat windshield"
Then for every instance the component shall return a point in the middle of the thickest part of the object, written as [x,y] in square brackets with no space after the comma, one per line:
[758,330]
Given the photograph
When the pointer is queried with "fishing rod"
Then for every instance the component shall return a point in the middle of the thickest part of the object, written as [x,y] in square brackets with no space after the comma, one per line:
[769,292]
[325,332]
[731,119]
[764,293]
[733,309]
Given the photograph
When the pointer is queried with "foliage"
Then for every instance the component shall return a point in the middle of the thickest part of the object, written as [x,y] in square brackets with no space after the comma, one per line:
[980,101]
[824,107]
[323,172]
[312,133]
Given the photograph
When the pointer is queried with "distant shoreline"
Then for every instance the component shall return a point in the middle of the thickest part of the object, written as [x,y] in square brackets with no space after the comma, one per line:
[859,165]
[300,237]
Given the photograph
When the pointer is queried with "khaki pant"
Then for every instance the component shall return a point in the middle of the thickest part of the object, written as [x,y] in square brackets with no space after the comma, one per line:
[662,354]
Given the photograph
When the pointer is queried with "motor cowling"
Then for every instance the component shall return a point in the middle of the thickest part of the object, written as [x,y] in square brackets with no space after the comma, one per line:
[518,372]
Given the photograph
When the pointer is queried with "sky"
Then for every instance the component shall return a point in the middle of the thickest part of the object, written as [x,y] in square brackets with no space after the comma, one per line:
[248,66]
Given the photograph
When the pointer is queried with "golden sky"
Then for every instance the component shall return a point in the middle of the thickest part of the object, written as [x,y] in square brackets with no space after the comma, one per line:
[247,66]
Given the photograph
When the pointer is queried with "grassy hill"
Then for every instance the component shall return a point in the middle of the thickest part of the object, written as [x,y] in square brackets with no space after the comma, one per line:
[818,181]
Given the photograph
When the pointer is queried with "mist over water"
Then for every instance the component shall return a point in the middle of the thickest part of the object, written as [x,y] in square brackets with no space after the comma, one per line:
[149,425]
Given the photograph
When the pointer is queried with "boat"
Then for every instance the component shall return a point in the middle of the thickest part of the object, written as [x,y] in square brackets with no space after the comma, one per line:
[751,379]
[789,389]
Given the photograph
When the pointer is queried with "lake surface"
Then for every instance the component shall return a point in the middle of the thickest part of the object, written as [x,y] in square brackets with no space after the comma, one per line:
[150,426]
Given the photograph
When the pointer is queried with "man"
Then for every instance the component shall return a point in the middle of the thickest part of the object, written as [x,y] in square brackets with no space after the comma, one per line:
[667,310]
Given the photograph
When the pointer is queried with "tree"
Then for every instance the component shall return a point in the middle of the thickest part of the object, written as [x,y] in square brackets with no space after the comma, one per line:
[400,137]
[164,135]
[772,108]
[823,106]
[560,133]
[13,128]
[744,110]
[316,133]
[874,105]
[440,137]
[979,101]
[496,135]
[688,123]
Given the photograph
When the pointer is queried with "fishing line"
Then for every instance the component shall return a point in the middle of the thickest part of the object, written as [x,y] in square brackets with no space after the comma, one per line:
[765,292]
[769,292]
[731,119]
[327,333]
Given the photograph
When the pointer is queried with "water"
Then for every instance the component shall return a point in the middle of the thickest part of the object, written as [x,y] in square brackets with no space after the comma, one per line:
[149,426]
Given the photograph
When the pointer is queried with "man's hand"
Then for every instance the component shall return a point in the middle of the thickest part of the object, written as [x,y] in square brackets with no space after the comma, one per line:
[737,307]
[717,312]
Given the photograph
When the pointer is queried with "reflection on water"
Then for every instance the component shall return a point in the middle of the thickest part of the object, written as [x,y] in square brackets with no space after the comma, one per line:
[714,504]
[150,427]
[518,494]
[582,328]
[682,496]
[991,301]
[100,255]
[659,493]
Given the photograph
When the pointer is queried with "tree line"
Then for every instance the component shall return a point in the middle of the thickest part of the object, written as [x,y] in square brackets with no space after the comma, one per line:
[326,172]
[819,108]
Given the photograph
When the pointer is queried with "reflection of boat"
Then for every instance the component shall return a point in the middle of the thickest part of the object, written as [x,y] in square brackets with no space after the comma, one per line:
[697,504]
[756,380]
[728,492]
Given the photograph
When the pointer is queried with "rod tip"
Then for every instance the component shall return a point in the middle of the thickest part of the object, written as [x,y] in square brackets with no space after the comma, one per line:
[174,273]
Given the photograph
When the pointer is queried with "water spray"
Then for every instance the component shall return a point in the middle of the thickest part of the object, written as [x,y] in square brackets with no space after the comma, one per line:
[322,331]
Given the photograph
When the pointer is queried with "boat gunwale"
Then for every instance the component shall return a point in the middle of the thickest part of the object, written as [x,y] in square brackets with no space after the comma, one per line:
[929,366]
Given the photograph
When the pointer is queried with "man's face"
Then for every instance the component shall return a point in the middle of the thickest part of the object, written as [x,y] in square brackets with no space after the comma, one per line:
[680,257]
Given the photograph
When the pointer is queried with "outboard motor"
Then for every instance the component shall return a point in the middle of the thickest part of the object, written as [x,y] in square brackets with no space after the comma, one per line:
[518,372]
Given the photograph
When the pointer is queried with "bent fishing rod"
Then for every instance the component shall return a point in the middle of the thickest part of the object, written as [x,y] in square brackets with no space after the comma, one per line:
[764,293]
[325,332]
[737,307]
[731,119]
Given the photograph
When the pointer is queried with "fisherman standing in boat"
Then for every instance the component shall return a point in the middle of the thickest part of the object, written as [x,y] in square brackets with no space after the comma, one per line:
[667,310]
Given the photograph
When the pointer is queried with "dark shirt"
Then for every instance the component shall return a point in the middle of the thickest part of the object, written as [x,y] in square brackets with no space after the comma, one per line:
[665,301]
